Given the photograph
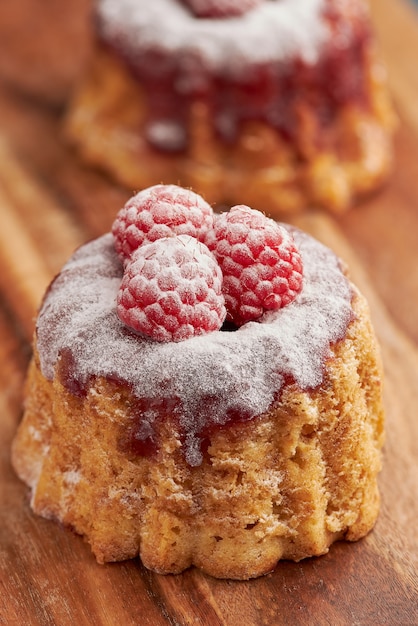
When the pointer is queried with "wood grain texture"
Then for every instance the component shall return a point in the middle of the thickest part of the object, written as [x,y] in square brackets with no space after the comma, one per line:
[44,45]
[49,204]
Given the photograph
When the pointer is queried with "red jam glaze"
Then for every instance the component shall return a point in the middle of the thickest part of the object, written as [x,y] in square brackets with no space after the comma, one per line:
[68,377]
[139,437]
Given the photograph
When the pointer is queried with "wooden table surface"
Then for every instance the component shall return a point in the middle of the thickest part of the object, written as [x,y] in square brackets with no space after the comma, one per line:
[49,204]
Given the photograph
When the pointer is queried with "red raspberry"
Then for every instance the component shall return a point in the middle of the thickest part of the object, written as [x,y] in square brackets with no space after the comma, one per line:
[261,266]
[221,8]
[160,211]
[172,290]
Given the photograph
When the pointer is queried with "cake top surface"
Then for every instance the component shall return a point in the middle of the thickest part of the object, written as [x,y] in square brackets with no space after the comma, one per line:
[207,380]
[273,30]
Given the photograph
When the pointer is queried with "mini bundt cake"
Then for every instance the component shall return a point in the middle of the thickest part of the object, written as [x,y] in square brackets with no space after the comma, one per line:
[209,397]
[282,102]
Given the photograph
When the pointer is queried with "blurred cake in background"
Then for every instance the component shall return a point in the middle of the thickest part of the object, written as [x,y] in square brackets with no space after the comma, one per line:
[283,102]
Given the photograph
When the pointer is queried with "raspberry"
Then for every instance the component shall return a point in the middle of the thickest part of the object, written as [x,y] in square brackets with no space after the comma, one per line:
[261,266]
[221,8]
[160,211]
[172,290]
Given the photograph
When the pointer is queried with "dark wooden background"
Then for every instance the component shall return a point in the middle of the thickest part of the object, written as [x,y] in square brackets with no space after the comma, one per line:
[49,204]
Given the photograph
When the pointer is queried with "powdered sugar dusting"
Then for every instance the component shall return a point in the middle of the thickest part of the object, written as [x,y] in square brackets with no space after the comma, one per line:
[271,31]
[208,379]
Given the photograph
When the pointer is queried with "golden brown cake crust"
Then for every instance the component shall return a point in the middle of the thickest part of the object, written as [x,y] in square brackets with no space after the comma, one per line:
[285,485]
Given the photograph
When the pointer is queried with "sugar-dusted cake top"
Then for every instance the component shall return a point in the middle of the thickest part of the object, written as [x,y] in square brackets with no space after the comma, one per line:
[272,30]
[207,380]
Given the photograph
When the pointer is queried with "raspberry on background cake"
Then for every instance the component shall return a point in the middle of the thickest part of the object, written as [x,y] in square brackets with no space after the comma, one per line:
[228,448]
[221,8]
[281,102]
